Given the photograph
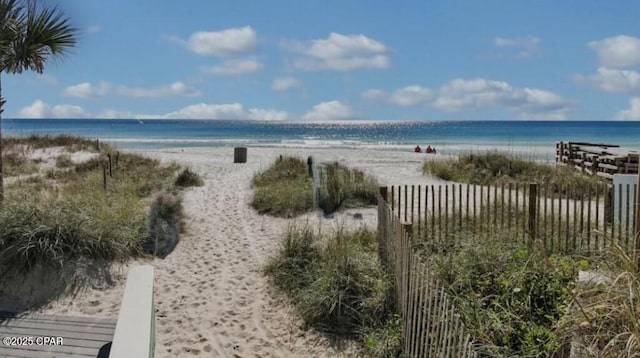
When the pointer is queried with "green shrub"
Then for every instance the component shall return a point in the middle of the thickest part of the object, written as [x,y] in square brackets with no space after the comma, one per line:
[510,297]
[165,218]
[284,189]
[56,219]
[339,288]
[187,178]
[342,187]
[490,168]
[293,268]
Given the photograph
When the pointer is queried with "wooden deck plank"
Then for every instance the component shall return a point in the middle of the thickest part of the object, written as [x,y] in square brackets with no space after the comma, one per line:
[53,351]
[82,336]
[71,319]
[44,325]
[86,336]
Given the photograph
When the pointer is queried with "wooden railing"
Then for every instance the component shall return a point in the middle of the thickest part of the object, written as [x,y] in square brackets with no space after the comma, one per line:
[135,331]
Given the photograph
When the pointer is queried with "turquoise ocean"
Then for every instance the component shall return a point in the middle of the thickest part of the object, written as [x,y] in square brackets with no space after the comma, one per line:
[531,139]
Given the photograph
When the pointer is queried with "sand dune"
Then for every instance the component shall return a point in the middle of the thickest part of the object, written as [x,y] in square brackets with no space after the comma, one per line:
[212,298]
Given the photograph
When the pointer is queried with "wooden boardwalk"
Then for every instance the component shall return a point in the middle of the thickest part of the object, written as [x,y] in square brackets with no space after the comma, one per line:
[81,336]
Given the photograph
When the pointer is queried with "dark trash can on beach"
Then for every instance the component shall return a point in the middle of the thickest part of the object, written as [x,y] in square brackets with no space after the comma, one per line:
[240,155]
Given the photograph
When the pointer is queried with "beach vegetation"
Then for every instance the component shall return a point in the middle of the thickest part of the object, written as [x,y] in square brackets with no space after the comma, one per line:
[187,178]
[338,287]
[65,214]
[284,189]
[510,295]
[492,167]
[342,187]
[64,161]
[604,318]
[30,35]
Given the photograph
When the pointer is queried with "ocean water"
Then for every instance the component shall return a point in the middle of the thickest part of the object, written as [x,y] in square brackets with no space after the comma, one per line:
[531,139]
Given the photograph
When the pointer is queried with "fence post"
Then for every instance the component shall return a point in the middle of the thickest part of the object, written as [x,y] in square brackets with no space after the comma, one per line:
[382,228]
[104,176]
[98,145]
[110,172]
[608,203]
[637,223]
[533,210]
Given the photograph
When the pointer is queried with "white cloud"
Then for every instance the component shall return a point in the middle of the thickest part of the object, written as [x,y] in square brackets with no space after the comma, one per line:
[527,45]
[631,113]
[460,94]
[39,109]
[86,90]
[339,52]
[612,80]
[207,111]
[235,67]
[229,42]
[477,94]
[331,110]
[260,114]
[285,83]
[618,51]
[411,96]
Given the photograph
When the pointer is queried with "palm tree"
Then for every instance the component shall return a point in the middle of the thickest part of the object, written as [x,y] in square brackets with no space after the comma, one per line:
[30,35]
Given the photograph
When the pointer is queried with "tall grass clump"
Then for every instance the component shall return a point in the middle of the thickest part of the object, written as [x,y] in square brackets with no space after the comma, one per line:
[492,167]
[70,142]
[56,219]
[284,189]
[604,318]
[339,288]
[509,296]
[187,178]
[165,217]
[342,187]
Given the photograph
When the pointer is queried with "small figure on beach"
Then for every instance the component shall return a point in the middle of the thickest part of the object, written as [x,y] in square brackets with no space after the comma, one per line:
[428,150]
[434,150]
[417,149]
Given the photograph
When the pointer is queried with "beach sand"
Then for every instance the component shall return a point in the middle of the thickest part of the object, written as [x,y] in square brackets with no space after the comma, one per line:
[211,296]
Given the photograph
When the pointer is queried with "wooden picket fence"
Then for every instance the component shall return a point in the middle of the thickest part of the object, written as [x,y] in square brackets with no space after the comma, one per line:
[564,220]
[431,325]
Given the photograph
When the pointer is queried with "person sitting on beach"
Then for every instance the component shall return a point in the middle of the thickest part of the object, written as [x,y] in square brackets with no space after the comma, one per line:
[417,149]
[428,150]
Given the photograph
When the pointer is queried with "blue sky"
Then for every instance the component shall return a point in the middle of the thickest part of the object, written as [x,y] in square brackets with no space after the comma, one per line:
[341,60]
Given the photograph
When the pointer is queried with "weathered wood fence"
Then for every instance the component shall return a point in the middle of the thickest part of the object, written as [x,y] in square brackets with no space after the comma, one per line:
[431,325]
[563,219]
[603,160]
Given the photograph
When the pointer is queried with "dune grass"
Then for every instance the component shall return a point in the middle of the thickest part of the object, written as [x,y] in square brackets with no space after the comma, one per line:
[284,189]
[188,178]
[338,287]
[604,318]
[66,215]
[510,295]
[342,187]
[489,168]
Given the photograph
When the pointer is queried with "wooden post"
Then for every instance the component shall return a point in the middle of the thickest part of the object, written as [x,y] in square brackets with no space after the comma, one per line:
[310,167]
[533,210]
[382,229]
[608,201]
[110,171]
[98,145]
[637,225]
[104,176]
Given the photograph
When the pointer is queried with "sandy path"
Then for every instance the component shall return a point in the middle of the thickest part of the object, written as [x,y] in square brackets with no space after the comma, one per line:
[211,296]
